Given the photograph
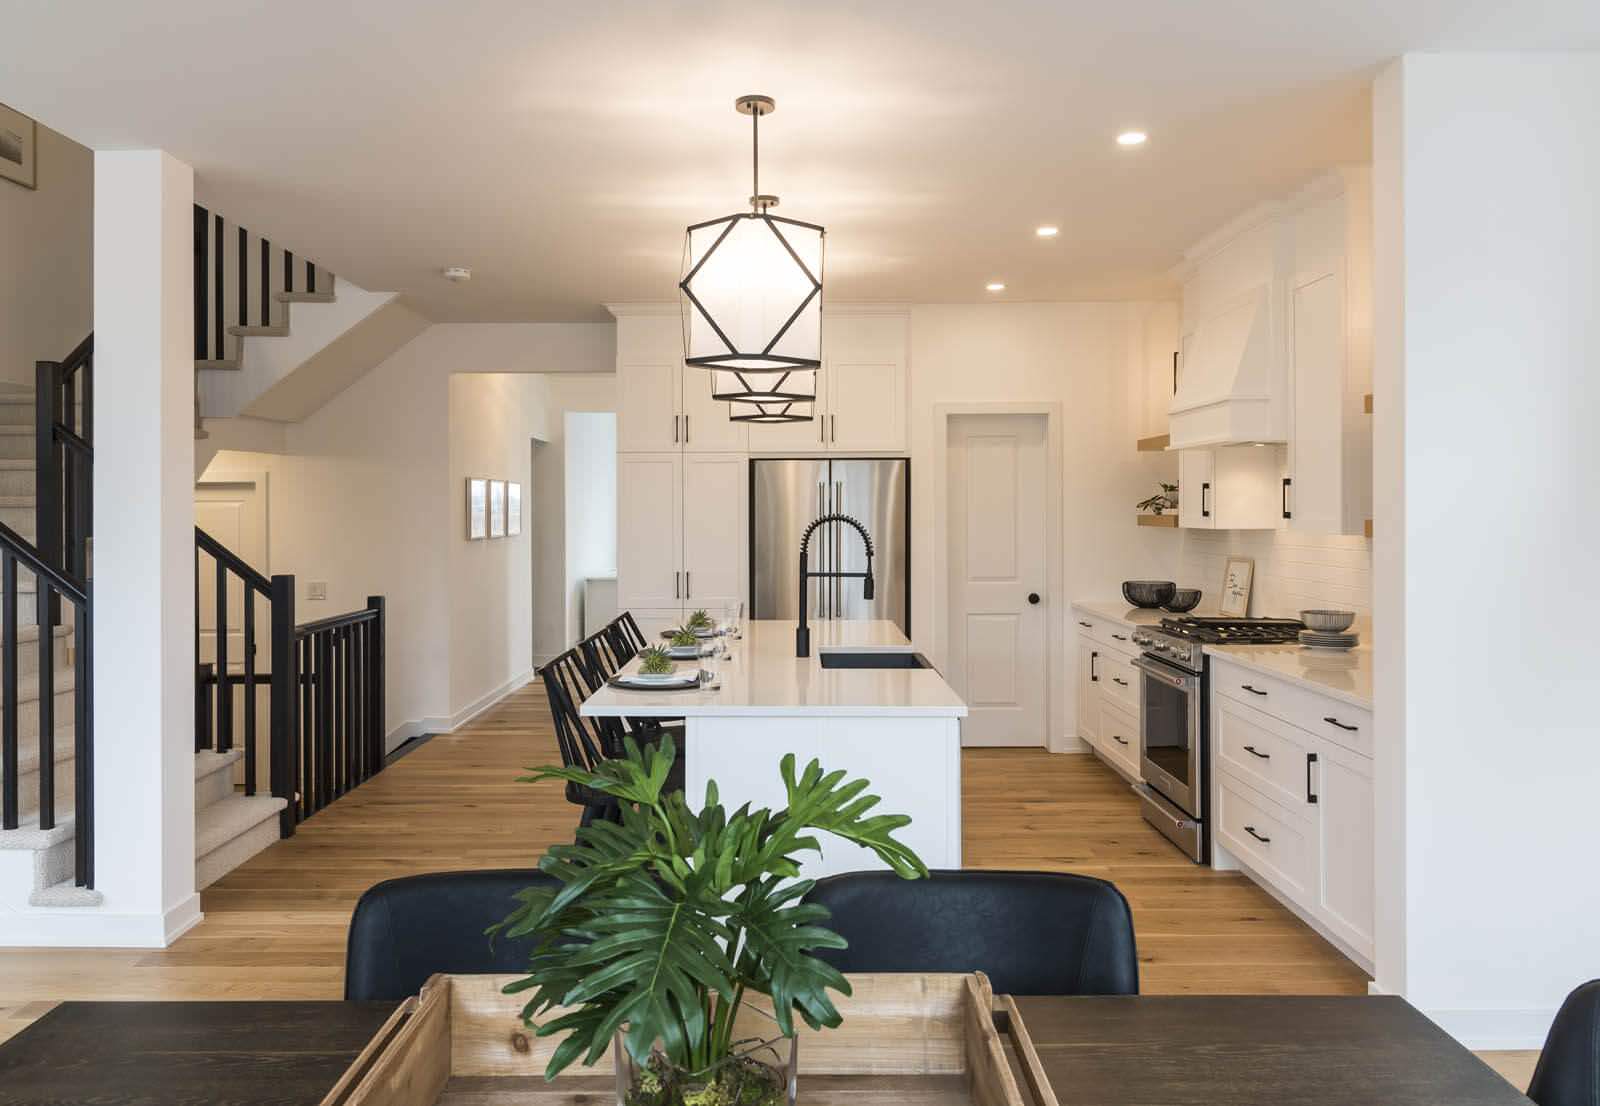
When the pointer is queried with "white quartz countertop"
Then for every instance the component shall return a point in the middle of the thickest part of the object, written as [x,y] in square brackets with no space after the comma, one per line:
[761,676]
[1344,674]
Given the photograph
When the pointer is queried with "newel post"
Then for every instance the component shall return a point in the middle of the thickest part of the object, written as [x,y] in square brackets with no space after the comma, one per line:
[380,733]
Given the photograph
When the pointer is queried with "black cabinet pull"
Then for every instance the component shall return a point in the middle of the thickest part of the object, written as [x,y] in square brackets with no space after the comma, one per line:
[1286,482]
[1119,680]
[1335,722]
[1087,625]
[1311,796]
[1119,739]
[1094,677]
[1252,690]
[1174,372]
[1251,749]
[1251,830]
[1205,506]
[1119,637]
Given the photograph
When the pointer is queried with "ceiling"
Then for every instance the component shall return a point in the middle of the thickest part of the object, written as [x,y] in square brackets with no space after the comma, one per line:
[559,148]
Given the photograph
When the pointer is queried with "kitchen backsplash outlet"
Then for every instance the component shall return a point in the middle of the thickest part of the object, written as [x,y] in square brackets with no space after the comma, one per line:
[1294,571]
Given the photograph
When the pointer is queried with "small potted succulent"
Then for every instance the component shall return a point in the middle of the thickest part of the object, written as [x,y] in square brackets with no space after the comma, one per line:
[666,924]
[655,661]
[1165,500]
[684,638]
[700,623]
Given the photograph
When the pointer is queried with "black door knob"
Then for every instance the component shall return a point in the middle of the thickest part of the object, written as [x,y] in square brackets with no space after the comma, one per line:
[1033,597]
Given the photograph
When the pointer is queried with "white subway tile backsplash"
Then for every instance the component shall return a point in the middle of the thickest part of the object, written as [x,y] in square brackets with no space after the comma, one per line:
[1293,570]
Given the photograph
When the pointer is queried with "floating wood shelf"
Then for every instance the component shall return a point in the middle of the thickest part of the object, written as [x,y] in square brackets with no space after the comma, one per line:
[1158,520]
[1368,528]
[1366,403]
[1157,444]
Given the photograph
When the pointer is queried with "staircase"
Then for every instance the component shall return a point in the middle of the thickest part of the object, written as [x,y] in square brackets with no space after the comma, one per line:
[229,826]
[276,336]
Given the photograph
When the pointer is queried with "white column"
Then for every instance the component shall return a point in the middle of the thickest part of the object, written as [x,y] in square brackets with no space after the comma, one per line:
[1487,404]
[144,661]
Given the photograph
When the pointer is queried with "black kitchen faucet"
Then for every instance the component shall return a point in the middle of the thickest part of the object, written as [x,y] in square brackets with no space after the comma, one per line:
[802,635]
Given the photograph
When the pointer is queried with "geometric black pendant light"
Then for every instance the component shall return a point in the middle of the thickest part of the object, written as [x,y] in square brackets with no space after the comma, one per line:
[752,301]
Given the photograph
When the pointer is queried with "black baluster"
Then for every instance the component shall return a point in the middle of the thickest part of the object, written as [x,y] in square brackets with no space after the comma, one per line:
[47,706]
[224,688]
[285,715]
[288,271]
[324,642]
[202,278]
[266,283]
[219,308]
[8,708]
[83,737]
[249,688]
[375,663]
[363,762]
[244,277]
[351,767]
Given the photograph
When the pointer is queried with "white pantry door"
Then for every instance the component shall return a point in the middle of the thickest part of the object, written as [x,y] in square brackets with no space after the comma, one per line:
[997,557]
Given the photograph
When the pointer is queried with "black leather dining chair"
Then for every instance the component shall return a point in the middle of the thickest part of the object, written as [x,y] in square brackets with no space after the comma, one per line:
[1032,933]
[404,930]
[1568,1072]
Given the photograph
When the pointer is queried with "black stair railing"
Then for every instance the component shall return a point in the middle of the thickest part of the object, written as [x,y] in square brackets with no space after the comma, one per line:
[325,704]
[242,280]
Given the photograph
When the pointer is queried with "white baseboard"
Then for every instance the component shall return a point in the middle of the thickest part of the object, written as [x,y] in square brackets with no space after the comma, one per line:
[542,659]
[1070,744]
[411,728]
[468,713]
[89,927]
[1492,1030]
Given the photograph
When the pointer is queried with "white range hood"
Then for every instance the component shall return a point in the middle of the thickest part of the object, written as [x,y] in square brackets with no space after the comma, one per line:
[1230,383]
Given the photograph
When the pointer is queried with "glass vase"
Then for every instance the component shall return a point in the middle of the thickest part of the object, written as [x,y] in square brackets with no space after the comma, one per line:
[758,1073]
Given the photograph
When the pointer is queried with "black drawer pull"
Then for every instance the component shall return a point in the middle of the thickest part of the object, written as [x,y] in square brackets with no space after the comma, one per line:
[1087,625]
[1119,637]
[1119,739]
[1119,680]
[1252,690]
[1335,722]
[1251,830]
[1251,749]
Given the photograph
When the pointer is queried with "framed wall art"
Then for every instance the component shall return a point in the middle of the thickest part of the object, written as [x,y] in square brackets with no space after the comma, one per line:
[1237,577]
[513,509]
[19,138]
[497,508]
[477,508]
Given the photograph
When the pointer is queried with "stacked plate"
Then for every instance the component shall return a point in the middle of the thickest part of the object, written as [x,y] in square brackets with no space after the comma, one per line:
[1318,639]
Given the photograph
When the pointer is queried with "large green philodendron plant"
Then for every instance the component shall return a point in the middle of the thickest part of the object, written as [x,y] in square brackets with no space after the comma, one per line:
[664,923]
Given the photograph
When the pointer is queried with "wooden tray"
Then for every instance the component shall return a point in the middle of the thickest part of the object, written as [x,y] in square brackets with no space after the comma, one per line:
[920,1040]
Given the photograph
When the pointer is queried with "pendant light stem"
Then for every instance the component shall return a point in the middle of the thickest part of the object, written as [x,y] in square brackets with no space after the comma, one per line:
[755,157]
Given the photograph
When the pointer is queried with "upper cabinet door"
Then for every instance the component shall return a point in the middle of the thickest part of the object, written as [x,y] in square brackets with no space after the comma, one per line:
[1250,491]
[1197,490]
[791,438]
[647,406]
[715,503]
[864,372]
[649,530]
[706,426]
[1317,360]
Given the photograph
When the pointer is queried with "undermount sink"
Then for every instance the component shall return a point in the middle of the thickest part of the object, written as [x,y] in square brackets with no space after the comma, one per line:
[864,659]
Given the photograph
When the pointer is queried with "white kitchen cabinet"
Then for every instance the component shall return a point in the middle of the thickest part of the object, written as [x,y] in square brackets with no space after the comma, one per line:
[795,438]
[706,425]
[1088,690]
[663,404]
[1235,487]
[1344,887]
[714,537]
[1119,738]
[862,392]
[1330,361]
[647,406]
[1159,379]
[649,530]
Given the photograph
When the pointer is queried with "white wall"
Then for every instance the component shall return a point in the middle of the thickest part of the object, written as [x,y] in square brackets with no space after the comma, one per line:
[369,498]
[46,279]
[1486,170]
[1085,357]
[1294,571]
[591,514]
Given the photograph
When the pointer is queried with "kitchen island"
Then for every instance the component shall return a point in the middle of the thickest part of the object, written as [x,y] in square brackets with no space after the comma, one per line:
[898,727]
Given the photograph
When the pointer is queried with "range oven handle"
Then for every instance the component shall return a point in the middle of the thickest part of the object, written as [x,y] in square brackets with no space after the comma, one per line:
[1158,671]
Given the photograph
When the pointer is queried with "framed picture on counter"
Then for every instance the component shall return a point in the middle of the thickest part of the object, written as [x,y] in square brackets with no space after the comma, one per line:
[513,509]
[1236,579]
[477,508]
[497,508]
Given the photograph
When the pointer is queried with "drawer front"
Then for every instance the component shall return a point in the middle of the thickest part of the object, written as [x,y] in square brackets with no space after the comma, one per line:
[1112,635]
[1119,682]
[1269,755]
[1119,737]
[1260,834]
[1332,719]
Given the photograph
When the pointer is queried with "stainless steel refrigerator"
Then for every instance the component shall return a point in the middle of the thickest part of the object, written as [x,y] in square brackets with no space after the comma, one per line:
[786,495]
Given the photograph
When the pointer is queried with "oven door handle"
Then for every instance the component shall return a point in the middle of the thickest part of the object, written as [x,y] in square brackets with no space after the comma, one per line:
[1158,671]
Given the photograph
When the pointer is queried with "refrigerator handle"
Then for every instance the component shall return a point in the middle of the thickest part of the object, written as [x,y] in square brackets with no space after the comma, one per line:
[838,551]
[822,552]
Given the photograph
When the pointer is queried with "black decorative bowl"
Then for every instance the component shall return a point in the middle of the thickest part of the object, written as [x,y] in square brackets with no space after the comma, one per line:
[1183,600]
[1148,594]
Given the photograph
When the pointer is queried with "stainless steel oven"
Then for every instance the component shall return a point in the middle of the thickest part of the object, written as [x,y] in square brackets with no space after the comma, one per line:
[1172,732]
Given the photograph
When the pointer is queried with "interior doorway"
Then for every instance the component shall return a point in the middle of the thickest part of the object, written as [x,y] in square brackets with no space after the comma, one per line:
[998,572]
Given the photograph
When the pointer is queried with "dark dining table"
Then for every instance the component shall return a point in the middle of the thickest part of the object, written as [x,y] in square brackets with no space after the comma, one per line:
[1138,1051]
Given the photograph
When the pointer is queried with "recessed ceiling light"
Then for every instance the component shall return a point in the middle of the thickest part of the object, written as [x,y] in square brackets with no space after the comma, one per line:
[456,274]
[1131,138]
[995,286]
[1047,231]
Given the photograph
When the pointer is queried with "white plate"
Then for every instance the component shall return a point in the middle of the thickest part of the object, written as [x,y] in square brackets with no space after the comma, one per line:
[688,652]
[654,677]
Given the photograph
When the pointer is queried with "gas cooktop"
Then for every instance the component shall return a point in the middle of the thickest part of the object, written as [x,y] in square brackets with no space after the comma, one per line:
[1234,631]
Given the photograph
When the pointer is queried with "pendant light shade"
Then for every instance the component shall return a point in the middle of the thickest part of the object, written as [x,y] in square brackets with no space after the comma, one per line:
[752,302]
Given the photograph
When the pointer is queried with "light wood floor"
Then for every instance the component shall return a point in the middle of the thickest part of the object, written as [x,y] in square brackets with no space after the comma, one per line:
[275,927]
